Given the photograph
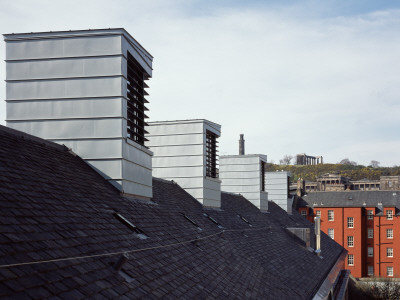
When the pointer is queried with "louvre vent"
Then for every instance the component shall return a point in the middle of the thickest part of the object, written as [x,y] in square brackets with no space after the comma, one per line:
[211,152]
[136,101]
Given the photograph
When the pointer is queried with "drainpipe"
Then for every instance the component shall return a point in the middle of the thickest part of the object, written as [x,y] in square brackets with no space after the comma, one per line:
[379,245]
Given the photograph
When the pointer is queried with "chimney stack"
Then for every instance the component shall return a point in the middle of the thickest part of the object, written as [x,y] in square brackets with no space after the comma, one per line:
[241,144]
[317,231]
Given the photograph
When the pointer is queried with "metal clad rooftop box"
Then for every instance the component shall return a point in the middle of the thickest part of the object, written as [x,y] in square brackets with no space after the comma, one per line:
[186,152]
[84,89]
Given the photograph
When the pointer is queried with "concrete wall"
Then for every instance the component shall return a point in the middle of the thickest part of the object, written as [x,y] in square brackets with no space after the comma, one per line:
[179,149]
[70,88]
[277,188]
[242,174]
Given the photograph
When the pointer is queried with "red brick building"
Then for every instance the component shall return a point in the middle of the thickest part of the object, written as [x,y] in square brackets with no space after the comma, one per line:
[366,223]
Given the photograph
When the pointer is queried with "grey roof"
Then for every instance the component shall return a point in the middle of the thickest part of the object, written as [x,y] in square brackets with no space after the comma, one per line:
[351,199]
[60,237]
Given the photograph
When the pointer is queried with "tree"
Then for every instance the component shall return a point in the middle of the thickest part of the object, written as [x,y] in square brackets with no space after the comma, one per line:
[286,160]
[347,161]
[375,163]
[378,288]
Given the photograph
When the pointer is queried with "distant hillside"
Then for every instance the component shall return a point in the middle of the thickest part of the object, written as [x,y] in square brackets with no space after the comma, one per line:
[311,172]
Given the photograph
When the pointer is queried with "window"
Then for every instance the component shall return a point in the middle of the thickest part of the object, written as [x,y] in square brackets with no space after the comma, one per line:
[389,271]
[318,213]
[389,233]
[211,159]
[389,252]
[370,251]
[331,233]
[370,214]
[350,241]
[350,222]
[136,76]
[389,214]
[304,213]
[331,215]
[350,260]
[370,270]
[370,233]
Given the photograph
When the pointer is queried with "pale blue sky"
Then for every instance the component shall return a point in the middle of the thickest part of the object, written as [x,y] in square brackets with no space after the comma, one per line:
[320,77]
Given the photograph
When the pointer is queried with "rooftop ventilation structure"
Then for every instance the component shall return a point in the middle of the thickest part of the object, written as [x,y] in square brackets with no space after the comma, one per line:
[277,187]
[84,89]
[186,152]
[245,175]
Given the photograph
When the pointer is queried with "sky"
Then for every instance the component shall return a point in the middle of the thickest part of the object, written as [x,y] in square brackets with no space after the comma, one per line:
[314,77]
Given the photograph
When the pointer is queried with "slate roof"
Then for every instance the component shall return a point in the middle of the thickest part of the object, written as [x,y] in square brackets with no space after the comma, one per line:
[54,206]
[351,199]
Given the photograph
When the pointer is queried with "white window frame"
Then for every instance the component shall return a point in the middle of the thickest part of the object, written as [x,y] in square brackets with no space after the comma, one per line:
[389,233]
[350,222]
[389,214]
[350,241]
[370,270]
[303,213]
[331,233]
[318,213]
[389,271]
[370,233]
[370,214]
[331,215]
[389,252]
[370,251]
[350,260]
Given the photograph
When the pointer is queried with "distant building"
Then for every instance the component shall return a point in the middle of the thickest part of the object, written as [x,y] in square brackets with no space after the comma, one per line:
[335,183]
[390,183]
[304,159]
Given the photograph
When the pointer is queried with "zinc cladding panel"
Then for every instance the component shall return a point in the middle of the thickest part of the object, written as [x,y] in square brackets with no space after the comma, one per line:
[212,195]
[71,129]
[65,108]
[179,150]
[212,184]
[135,155]
[136,173]
[241,182]
[167,140]
[178,161]
[109,169]
[65,88]
[177,172]
[197,193]
[241,189]
[240,168]
[63,47]
[64,68]
[142,57]
[96,148]
[239,160]
[236,175]
[172,128]
[136,189]
[213,127]
[192,182]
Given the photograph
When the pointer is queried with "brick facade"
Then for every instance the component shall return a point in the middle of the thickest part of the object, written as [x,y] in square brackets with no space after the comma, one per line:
[378,231]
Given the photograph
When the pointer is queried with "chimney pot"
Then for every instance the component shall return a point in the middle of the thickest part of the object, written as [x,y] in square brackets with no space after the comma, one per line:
[241,144]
